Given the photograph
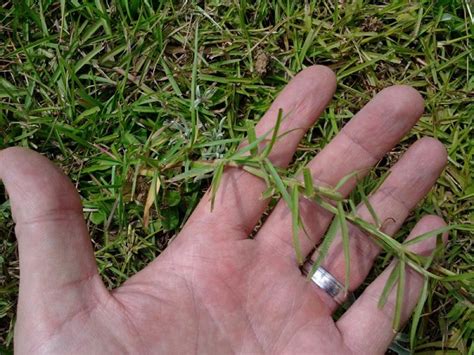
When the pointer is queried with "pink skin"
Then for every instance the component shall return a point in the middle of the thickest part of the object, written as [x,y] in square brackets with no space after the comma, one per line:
[214,290]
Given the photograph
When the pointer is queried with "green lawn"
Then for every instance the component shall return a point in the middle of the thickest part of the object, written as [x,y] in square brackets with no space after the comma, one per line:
[123,94]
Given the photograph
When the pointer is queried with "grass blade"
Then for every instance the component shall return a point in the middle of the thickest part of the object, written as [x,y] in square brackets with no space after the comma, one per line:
[308,182]
[239,153]
[369,206]
[345,244]
[274,137]
[345,179]
[417,314]
[324,247]
[430,234]
[292,202]
[256,171]
[278,182]
[192,173]
[194,112]
[170,77]
[295,219]
[252,138]
[400,295]
[392,278]
[216,180]
[150,199]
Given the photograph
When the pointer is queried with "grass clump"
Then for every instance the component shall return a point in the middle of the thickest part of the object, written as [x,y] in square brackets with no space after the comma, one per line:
[141,103]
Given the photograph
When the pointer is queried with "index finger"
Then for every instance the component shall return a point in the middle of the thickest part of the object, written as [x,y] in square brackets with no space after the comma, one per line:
[238,204]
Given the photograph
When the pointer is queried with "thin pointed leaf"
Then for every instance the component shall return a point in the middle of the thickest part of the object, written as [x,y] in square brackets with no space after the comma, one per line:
[278,181]
[429,234]
[329,193]
[150,199]
[252,137]
[324,247]
[217,142]
[345,243]
[308,182]
[353,206]
[371,210]
[392,278]
[192,106]
[381,180]
[305,231]
[400,295]
[418,311]
[255,171]
[274,137]
[295,202]
[239,153]
[170,77]
[216,182]
[196,172]
[461,277]
[345,179]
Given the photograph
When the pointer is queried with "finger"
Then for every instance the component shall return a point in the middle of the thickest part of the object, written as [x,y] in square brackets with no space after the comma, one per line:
[56,257]
[365,325]
[238,204]
[409,181]
[359,145]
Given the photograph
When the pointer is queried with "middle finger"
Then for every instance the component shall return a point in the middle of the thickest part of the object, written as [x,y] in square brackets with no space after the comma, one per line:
[371,133]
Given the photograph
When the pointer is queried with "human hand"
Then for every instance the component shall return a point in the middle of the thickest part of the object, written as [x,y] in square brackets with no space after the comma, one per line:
[214,290]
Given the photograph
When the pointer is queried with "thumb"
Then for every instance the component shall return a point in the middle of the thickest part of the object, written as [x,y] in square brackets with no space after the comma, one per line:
[57,265]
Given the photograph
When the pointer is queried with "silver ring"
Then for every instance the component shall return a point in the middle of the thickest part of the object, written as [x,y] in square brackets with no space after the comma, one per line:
[325,281]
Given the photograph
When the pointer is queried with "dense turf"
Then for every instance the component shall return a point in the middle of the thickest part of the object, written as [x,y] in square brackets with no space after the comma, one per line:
[125,96]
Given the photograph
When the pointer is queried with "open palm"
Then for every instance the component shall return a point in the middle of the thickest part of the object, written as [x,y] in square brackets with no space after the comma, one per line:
[214,290]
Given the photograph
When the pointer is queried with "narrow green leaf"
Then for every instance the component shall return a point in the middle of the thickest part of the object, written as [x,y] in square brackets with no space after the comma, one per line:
[278,182]
[192,107]
[392,278]
[345,179]
[87,58]
[320,190]
[369,206]
[308,182]
[196,172]
[252,138]
[418,311]
[461,277]
[386,241]
[44,27]
[329,193]
[357,68]
[256,171]
[324,247]
[400,295]
[89,112]
[216,180]
[353,206]
[170,77]
[249,147]
[429,234]
[345,243]
[305,231]
[274,137]
[295,217]
[381,180]
[217,142]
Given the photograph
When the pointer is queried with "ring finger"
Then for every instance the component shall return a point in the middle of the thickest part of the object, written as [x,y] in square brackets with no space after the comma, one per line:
[408,182]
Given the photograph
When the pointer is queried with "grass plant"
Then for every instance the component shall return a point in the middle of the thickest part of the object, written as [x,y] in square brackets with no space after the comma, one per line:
[143,104]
